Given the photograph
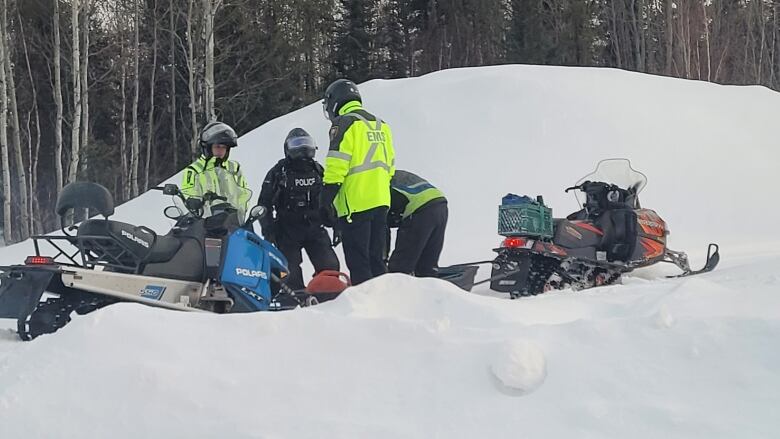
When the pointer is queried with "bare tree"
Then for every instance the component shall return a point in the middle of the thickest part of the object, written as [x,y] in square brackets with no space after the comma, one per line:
[21,175]
[76,75]
[32,149]
[57,97]
[209,11]
[4,162]
[191,80]
[172,62]
[85,85]
[150,131]
[136,90]
[669,14]
[124,180]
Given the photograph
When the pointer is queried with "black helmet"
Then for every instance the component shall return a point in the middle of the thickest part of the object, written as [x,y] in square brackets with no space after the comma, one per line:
[338,93]
[299,145]
[217,133]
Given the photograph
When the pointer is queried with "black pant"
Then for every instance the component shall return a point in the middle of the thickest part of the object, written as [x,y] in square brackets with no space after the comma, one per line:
[364,243]
[419,241]
[291,238]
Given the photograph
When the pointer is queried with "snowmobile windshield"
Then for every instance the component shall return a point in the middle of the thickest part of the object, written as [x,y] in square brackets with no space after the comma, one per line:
[618,172]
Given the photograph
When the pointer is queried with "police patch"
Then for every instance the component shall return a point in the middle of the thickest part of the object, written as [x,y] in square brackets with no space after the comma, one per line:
[334,131]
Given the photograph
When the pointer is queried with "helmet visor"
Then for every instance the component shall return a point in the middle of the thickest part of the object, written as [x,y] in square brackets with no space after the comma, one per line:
[301,147]
[325,110]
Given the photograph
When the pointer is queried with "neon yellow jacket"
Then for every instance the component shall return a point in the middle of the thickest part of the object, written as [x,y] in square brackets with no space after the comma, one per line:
[222,177]
[361,159]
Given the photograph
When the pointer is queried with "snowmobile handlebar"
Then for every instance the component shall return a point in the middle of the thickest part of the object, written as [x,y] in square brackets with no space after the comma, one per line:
[193,204]
[587,185]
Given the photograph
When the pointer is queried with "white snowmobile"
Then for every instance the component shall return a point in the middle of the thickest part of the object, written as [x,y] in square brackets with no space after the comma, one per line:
[213,264]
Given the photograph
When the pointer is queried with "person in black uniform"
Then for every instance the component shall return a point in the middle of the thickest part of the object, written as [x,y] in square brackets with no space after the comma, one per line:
[290,193]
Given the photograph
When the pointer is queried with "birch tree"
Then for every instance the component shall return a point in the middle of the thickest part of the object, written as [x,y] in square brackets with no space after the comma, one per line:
[33,149]
[84,83]
[172,62]
[151,124]
[191,80]
[134,154]
[21,175]
[4,162]
[76,78]
[57,98]
[209,11]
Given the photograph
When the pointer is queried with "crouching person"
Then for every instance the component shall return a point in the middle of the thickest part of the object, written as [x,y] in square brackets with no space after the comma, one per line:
[419,210]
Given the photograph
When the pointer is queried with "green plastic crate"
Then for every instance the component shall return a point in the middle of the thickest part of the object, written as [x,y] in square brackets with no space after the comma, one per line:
[529,219]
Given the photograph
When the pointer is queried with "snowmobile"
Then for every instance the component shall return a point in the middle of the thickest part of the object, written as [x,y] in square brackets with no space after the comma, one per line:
[209,263]
[611,235]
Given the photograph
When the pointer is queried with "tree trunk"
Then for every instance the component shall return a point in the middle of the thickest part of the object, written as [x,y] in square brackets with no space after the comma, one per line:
[76,71]
[4,162]
[84,80]
[191,83]
[707,41]
[125,177]
[172,62]
[85,92]
[57,98]
[615,37]
[635,30]
[209,10]
[150,131]
[33,150]
[136,89]
[669,12]
[761,16]
[21,175]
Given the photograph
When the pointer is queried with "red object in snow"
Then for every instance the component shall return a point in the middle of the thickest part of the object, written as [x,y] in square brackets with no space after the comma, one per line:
[328,284]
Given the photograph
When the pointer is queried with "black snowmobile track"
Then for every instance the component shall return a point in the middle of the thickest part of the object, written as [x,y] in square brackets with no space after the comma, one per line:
[54,313]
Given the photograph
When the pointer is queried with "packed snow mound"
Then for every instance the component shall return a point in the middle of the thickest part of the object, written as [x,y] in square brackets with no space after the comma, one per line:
[402,357]
[355,367]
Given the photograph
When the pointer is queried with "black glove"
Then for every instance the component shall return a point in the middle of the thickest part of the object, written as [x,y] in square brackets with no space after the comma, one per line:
[336,238]
[327,211]
[328,216]
[193,204]
[394,219]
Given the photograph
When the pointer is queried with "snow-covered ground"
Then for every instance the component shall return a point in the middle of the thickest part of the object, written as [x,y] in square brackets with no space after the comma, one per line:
[403,357]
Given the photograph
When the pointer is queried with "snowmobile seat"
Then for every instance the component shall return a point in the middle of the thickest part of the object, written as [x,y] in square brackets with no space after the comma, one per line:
[113,243]
[164,249]
[143,243]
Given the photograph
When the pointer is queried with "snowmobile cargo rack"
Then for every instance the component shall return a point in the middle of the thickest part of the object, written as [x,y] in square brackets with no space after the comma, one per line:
[91,250]
[102,242]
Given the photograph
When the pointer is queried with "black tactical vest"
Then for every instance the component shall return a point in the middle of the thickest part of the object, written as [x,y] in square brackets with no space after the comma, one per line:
[299,188]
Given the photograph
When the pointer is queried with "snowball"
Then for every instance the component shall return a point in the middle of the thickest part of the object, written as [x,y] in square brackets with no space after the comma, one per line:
[519,367]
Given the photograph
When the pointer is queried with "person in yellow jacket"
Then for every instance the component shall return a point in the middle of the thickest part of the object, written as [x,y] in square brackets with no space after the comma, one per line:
[356,193]
[214,172]
[419,210]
